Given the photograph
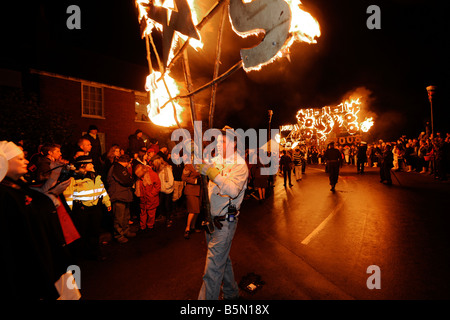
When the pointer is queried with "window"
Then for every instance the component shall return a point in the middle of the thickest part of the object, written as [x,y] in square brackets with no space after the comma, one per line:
[141,102]
[92,101]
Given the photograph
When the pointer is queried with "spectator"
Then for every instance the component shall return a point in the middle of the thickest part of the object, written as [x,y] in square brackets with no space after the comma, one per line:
[85,195]
[135,142]
[163,153]
[297,158]
[148,187]
[259,180]
[165,174]
[192,191]
[178,183]
[51,153]
[120,183]
[96,148]
[33,233]
[110,158]
[85,146]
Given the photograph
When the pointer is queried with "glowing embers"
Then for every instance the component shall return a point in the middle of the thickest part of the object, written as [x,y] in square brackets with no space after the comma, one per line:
[160,111]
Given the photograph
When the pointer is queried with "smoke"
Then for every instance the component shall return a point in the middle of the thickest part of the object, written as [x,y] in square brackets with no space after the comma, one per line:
[364,94]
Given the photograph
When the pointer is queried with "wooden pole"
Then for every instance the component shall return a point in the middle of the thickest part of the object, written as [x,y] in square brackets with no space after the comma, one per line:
[216,69]
[219,79]
[199,26]
[161,68]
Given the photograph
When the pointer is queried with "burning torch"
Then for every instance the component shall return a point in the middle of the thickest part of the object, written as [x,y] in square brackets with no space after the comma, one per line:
[431,91]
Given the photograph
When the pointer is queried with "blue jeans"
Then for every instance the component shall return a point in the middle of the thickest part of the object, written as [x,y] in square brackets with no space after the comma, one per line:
[218,266]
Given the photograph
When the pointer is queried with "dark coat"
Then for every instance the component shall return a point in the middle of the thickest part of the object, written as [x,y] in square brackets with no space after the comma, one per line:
[33,251]
[362,153]
[96,151]
[120,183]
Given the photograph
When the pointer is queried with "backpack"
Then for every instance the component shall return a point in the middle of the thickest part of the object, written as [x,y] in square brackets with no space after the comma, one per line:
[166,177]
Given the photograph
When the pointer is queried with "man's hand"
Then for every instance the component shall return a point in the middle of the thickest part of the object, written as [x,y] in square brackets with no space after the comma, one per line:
[207,169]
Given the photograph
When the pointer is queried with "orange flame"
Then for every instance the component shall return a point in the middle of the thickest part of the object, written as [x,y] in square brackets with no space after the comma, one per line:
[159,111]
[367,124]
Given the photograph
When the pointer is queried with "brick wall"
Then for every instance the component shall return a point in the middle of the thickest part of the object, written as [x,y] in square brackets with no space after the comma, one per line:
[64,95]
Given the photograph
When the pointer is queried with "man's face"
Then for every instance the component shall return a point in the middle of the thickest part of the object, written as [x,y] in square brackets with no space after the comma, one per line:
[55,154]
[224,148]
[86,146]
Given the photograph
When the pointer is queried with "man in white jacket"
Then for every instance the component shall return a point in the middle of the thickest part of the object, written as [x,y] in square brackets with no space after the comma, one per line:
[227,184]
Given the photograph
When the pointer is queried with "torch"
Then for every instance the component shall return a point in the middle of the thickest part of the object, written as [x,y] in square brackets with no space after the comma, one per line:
[431,91]
[269,149]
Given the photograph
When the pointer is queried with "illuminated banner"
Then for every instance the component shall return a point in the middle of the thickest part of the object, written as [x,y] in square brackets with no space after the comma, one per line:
[317,123]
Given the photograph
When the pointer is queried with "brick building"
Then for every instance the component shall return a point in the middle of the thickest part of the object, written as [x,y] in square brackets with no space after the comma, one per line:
[116,111]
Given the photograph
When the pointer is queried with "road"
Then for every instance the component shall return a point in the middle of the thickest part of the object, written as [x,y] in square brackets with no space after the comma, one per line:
[305,242]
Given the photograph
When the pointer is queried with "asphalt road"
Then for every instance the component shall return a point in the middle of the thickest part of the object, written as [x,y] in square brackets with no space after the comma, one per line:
[305,242]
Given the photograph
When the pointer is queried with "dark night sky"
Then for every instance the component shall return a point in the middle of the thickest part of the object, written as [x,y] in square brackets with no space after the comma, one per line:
[394,65]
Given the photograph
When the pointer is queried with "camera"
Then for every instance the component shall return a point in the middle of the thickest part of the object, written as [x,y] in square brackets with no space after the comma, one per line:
[68,171]
[232,209]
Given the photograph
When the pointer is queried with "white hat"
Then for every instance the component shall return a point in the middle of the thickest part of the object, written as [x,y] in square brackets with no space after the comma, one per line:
[3,166]
[8,150]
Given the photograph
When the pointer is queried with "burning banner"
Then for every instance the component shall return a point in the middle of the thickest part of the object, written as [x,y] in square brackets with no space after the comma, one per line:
[282,21]
[318,124]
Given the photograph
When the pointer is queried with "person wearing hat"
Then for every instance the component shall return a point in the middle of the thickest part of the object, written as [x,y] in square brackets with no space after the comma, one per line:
[361,157]
[33,243]
[96,149]
[84,196]
[228,175]
[135,143]
[333,158]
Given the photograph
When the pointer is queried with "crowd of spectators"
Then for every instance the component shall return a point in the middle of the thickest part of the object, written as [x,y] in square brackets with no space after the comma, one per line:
[128,189]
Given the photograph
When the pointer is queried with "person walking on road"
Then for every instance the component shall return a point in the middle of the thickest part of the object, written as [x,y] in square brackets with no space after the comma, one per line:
[333,158]
[286,163]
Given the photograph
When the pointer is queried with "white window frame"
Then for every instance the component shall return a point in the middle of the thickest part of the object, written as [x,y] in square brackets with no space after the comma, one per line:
[86,115]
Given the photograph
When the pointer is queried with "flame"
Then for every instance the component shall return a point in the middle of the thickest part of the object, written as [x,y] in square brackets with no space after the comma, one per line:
[159,113]
[170,6]
[320,122]
[366,124]
[303,26]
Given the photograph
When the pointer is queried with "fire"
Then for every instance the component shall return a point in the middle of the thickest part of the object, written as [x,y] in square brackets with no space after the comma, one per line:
[303,26]
[170,6]
[319,123]
[159,111]
[366,124]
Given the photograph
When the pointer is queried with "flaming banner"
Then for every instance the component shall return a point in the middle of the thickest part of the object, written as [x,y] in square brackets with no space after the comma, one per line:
[317,124]
[282,21]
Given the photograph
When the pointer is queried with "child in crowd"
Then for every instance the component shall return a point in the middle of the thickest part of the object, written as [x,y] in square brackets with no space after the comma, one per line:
[148,187]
